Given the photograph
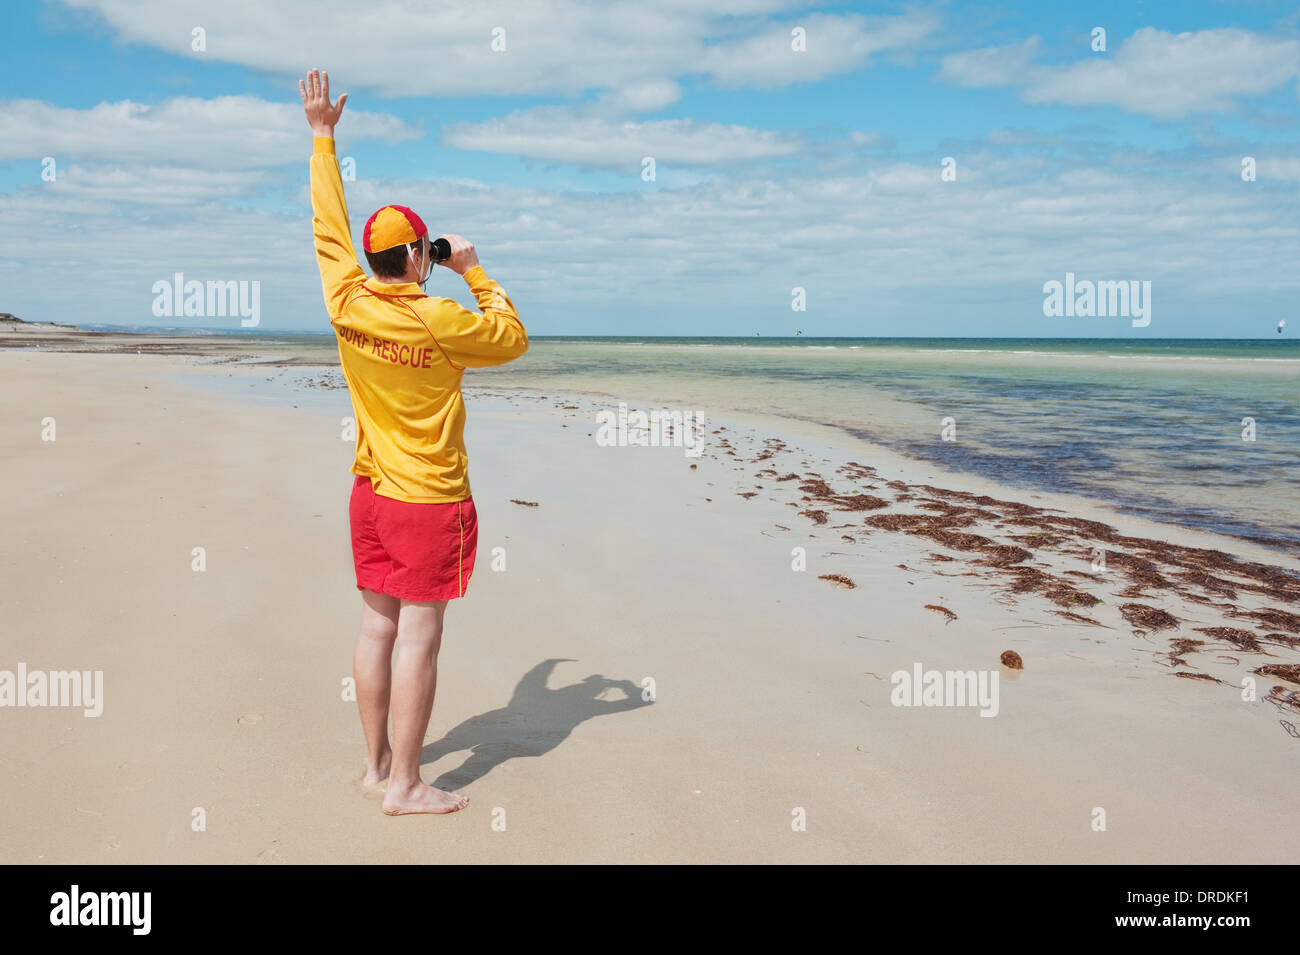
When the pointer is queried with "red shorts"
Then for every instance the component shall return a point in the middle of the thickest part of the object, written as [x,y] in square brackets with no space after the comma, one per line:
[411,551]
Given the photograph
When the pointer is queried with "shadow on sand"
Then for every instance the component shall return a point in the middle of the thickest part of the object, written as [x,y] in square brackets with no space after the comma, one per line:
[535,721]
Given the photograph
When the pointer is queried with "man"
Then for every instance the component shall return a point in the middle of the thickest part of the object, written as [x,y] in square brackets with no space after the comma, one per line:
[414,528]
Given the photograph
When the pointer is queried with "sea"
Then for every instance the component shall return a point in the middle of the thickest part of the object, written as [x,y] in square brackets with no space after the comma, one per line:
[1197,432]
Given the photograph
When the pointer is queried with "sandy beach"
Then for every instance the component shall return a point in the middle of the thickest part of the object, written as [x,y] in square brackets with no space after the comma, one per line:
[640,671]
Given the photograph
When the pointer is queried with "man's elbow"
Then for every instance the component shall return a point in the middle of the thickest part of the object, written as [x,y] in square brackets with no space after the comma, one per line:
[514,350]
[511,349]
[514,340]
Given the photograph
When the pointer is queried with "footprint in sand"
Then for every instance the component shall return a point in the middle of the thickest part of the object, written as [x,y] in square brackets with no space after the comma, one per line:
[376,791]
[249,719]
[270,854]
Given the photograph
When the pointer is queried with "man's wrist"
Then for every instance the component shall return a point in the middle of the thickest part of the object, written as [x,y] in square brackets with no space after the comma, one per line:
[323,132]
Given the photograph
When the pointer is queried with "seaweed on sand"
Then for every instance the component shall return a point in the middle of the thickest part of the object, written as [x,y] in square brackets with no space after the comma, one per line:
[1149,618]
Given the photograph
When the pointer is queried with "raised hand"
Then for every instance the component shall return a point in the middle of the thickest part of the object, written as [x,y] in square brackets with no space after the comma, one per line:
[321,114]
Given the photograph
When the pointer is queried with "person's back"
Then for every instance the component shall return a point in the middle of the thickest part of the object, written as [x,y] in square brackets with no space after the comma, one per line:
[414,526]
[402,351]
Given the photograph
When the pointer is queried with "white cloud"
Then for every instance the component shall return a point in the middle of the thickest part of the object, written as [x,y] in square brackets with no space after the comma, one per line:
[1268,167]
[864,140]
[1153,72]
[992,65]
[151,185]
[561,134]
[229,132]
[834,44]
[1024,137]
[892,239]
[642,97]
[403,48]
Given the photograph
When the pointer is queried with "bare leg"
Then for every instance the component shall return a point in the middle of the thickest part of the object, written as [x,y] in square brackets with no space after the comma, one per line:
[372,668]
[415,682]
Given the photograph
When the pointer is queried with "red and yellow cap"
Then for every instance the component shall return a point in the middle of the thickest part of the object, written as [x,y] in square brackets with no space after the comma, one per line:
[392,226]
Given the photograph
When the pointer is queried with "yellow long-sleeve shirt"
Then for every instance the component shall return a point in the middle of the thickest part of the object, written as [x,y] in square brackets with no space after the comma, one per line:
[403,354]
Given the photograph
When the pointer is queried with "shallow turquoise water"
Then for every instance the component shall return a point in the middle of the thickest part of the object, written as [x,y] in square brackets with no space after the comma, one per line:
[1155,427]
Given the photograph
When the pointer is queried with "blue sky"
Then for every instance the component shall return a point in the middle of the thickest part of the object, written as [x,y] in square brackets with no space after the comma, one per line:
[775,168]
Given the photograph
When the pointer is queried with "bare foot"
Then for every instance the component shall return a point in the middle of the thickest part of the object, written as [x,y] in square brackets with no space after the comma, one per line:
[421,798]
[377,774]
